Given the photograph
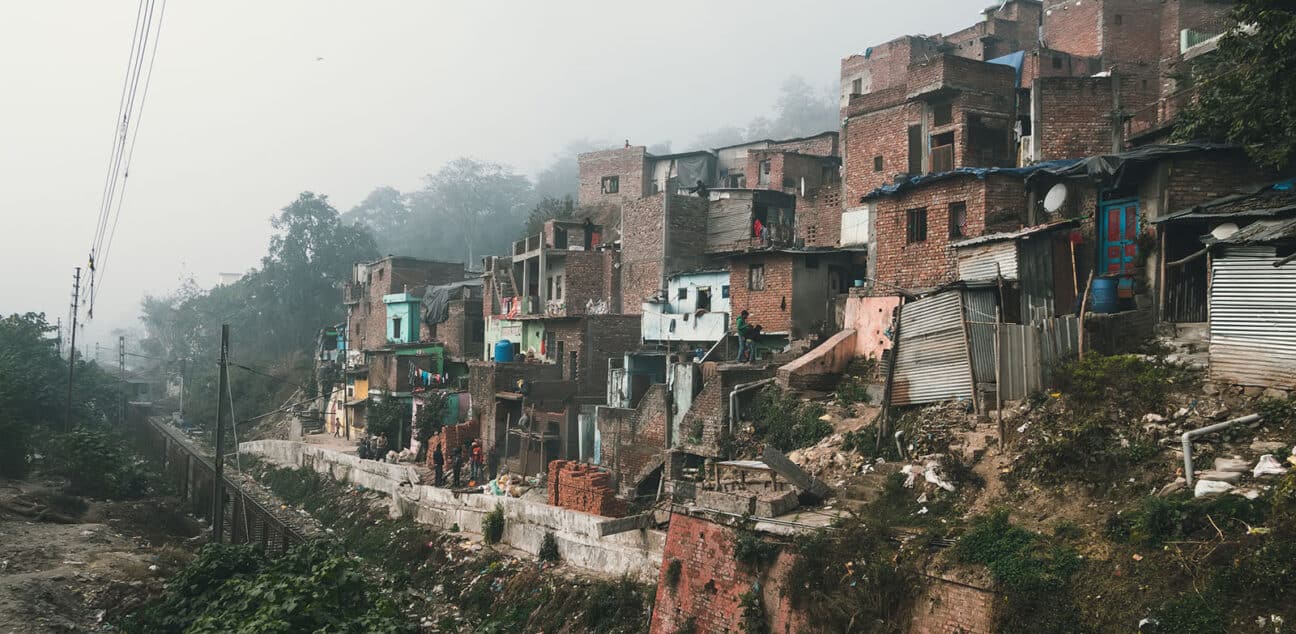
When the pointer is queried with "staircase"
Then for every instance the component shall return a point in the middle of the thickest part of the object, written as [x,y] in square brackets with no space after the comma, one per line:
[503,283]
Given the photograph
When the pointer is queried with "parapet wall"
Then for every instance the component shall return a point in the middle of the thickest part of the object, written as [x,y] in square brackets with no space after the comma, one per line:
[637,553]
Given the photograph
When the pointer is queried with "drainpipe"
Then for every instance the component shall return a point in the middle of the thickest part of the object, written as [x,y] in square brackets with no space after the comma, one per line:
[733,398]
[899,435]
[1189,435]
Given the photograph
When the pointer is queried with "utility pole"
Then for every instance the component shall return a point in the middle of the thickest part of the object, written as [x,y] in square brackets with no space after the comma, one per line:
[218,500]
[76,298]
[121,372]
[60,336]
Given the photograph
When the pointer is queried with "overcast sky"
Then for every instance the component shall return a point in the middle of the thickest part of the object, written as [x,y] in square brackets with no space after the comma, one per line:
[241,116]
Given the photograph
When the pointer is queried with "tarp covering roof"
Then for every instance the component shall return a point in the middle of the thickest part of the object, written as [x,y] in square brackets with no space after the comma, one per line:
[1265,201]
[436,300]
[1112,168]
[978,172]
[1012,59]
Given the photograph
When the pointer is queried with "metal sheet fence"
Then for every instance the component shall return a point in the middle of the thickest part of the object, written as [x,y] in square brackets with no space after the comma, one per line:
[1027,353]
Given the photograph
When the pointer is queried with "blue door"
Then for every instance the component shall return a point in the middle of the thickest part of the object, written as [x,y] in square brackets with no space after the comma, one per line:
[1118,235]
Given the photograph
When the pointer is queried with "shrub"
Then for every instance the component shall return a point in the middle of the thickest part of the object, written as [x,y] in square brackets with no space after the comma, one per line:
[1161,519]
[1190,614]
[852,389]
[753,612]
[673,571]
[97,463]
[785,422]
[1086,446]
[752,550]
[548,547]
[493,525]
[1277,411]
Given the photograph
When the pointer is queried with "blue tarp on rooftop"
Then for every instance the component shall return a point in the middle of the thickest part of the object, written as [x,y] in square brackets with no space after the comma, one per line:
[978,172]
[1012,59]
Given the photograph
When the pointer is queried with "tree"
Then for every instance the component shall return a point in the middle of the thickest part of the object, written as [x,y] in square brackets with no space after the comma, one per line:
[1247,88]
[385,212]
[560,178]
[799,110]
[464,205]
[548,209]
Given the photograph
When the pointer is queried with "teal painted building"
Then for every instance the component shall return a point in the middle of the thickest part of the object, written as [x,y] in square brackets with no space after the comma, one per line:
[402,317]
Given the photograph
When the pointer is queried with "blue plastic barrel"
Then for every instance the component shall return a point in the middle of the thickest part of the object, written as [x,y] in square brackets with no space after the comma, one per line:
[1104,295]
[503,351]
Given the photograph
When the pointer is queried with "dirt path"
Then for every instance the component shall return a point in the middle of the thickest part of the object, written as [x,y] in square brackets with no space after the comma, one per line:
[71,577]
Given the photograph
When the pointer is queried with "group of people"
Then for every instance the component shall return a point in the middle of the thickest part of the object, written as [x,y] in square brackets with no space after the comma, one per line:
[481,463]
[379,448]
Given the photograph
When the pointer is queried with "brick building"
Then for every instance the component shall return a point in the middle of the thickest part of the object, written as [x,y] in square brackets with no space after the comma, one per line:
[367,319]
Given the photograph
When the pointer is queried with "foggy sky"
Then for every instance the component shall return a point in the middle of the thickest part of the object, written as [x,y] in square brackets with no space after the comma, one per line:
[241,117]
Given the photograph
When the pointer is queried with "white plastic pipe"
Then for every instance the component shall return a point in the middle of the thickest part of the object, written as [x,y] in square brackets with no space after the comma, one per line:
[733,398]
[1193,433]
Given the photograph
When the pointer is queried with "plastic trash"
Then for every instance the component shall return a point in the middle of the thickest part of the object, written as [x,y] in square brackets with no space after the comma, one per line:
[1211,487]
[1268,465]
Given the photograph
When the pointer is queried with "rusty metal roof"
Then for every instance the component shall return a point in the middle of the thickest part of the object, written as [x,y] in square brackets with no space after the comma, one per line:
[1260,232]
[1270,200]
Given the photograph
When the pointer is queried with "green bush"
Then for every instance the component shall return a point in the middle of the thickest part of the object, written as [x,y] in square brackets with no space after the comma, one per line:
[1161,519]
[97,463]
[753,612]
[752,550]
[15,451]
[852,389]
[1086,446]
[785,422]
[1190,614]
[1279,412]
[493,525]
[673,571]
[549,548]
[1033,574]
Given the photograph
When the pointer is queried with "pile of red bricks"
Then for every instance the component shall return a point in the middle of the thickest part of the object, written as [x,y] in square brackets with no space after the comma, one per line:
[583,488]
[452,436]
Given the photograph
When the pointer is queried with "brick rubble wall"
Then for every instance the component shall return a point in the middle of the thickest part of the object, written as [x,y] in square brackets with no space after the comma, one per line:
[946,607]
[579,487]
[711,583]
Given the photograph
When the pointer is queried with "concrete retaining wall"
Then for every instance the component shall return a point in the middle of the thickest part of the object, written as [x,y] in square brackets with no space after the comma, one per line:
[637,553]
[818,369]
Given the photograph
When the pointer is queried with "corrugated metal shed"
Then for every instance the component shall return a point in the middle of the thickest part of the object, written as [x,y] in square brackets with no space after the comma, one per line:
[1036,260]
[1253,319]
[979,310]
[932,362]
[986,261]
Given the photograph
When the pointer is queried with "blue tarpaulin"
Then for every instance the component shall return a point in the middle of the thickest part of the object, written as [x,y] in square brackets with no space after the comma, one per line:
[978,172]
[1012,59]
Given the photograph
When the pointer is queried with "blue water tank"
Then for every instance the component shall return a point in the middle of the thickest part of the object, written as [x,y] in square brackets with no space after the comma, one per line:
[1104,295]
[503,351]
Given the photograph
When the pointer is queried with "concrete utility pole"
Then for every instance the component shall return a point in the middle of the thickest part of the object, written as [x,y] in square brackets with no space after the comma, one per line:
[121,373]
[76,298]
[218,499]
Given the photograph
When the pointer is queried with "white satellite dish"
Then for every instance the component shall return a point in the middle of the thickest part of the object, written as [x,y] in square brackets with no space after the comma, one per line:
[1223,231]
[1054,198]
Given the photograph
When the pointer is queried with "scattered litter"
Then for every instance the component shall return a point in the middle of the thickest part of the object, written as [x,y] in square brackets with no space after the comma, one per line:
[1022,428]
[922,511]
[1154,418]
[1211,487]
[1137,557]
[69,562]
[1268,465]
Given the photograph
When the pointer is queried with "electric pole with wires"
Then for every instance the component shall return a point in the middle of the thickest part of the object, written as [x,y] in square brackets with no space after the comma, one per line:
[218,497]
[121,373]
[76,298]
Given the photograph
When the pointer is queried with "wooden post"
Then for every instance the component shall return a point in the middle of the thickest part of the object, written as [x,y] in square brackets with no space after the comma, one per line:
[998,377]
[218,499]
[1084,304]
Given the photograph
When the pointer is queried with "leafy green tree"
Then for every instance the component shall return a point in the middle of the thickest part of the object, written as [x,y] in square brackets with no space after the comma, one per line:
[465,206]
[1247,88]
[386,213]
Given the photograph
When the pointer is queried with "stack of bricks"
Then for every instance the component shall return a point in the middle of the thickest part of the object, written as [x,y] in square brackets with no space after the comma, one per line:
[579,487]
[452,436]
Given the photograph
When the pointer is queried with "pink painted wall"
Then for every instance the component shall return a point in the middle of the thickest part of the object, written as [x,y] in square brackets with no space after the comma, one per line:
[870,318]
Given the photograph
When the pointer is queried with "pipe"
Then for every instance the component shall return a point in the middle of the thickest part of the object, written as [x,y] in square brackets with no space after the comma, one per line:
[1193,433]
[733,398]
[899,450]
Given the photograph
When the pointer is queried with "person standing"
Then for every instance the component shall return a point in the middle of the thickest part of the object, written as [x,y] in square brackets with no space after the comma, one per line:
[741,327]
[476,460]
[438,465]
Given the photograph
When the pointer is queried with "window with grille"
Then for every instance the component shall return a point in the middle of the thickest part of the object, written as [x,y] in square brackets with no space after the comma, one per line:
[611,184]
[756,277]
[916,225]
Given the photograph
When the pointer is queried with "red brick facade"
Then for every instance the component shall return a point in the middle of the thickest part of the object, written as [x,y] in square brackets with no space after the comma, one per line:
[822,144]
[645,261]
[995,203]
[634,440]
[452,436]
[368,316]
[948,607]
[1075,117]
[579,487]
[711,583]
[627,165]
[710,408]
[770,306]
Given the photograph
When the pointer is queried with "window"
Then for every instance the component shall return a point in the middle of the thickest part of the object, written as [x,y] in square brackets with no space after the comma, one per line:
[916,225]
[942,114]
[763,173]
[756,277]
[1057,61]
[724,291]
[877,163]
[682,294]
[958,220]
[396,327]
[703,299]
[611,184]
[857,86]
[1118,18]
[812,262]
[558,287]
[915,149]
[380,274]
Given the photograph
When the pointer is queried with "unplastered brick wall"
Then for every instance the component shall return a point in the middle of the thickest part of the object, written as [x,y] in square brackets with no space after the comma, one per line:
[644,261]
[711,583]
[583,281]
[461,332]
[626,164]
[884,66]
[930,262]
[452,436]
[819,220]
[634,440]
[609,337]
[949,607]
[1196,180]
[710,408]
[823,144]
[579,487]
[1076,117]
[882,133]
[771,307]
[1073,26]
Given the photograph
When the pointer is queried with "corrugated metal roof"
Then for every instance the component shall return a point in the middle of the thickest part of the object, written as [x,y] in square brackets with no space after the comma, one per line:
[977,172]
[1253,319]
[1013,235]
[988,261]
[932,362]
[1266,201]
[1261,232]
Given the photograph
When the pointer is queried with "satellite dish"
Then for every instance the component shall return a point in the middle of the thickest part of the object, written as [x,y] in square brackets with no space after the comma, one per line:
[1054,198]
[1223,231]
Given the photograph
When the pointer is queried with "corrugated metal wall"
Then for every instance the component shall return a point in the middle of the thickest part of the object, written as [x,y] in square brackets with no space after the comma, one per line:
[979,310]
[1036,261]
[987,261]
[1253,319]
[932,362]
[728,221]
[1028,352]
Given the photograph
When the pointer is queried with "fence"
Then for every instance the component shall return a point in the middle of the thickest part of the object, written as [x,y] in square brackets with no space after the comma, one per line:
[1027,353]
[246,520]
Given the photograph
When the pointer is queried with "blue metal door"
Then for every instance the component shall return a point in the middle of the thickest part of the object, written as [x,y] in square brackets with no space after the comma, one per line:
[1118,232]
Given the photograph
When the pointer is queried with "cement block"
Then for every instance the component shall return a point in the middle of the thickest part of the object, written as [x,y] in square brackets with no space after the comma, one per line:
[774,504]
[1231,477]
[740,503]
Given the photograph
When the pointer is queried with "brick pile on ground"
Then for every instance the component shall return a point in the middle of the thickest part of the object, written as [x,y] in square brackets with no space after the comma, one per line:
[452,436]
[583,488]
